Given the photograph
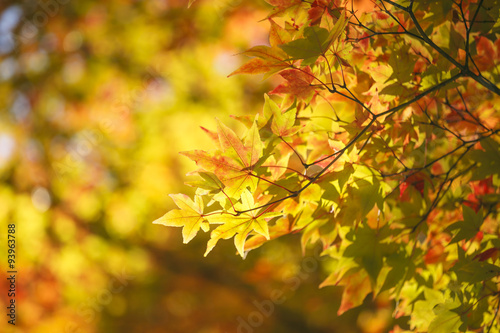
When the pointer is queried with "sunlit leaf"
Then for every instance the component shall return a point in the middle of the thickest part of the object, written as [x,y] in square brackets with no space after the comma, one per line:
[189,216]
[239,226]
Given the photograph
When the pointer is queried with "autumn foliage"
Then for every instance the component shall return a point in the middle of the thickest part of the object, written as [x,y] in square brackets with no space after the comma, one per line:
[382,144]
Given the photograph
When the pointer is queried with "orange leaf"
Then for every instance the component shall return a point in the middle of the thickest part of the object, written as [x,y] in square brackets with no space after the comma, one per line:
[266,52]
[283,3]
[357,286]
[227,169]
[486,53]
[298,83]
[259,66]
[278,35]
[315,14]
[269,60]
[213,136]
[435,254]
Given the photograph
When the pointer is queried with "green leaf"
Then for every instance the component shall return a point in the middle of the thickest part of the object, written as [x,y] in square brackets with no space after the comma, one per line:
[487,15]
[468,270]
[394,89]
[369,195]
[282,124]
[423,310]
[315,42]
[345,174]
[445,322]
[488,160]
[400,265]
[469,227]
[270,107]
[402,63]
[209,182]
[368,249]
[267,53]
[476,271]
[254,145]
[338,28]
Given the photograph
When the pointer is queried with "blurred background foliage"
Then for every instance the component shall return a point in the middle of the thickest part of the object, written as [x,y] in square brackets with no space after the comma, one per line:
[97,99]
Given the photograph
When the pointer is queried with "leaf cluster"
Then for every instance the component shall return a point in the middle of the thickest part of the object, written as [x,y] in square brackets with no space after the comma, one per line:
[384,147]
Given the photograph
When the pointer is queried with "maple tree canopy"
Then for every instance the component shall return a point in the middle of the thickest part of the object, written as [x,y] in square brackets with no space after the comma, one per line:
[382,144]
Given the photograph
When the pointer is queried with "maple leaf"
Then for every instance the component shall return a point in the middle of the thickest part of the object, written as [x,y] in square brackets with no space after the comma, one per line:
[402,64]
[266,52]
[298,84]
[283,6]
[309,48]
[417,181]
[487,254]
[283,227]
[469,226]
[283,122]
[277,168]
[369,250]
[241,225]
[283,3]
[189,216]
[277,34]
[485,52]
[316,13]
[259,66]
[227,169]
[234,164]
[209,181]
[315,42]
[246,153]
[212,135]
[269,60]
[356,287]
